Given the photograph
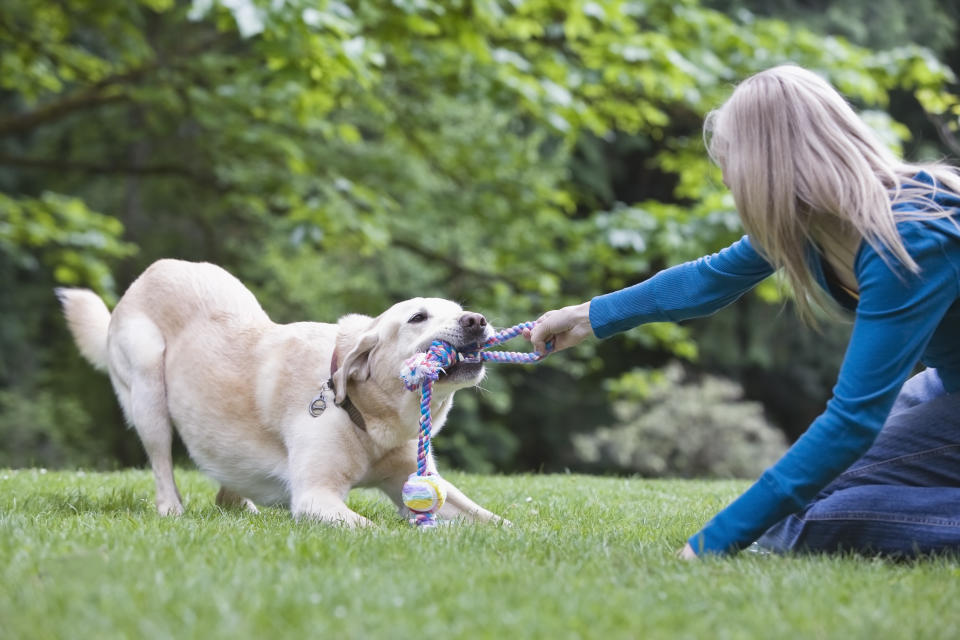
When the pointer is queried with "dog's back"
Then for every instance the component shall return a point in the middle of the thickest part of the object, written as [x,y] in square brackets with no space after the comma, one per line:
[174,292]
[170,293]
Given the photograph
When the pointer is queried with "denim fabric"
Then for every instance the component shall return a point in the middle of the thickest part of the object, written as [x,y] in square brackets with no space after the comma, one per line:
[902,497]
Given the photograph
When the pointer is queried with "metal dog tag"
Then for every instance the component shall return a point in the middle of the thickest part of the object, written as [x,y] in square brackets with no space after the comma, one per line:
[319,404]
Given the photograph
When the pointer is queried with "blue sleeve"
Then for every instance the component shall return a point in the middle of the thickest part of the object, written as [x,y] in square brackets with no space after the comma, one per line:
[688,290]
[895,318]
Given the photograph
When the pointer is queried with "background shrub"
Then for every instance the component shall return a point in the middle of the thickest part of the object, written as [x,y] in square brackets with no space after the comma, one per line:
[685,427]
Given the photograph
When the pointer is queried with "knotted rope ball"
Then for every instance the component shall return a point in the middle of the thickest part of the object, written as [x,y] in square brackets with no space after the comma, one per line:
[424,494]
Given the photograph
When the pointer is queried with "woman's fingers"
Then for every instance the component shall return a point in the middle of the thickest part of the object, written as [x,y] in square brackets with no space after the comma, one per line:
[562,328]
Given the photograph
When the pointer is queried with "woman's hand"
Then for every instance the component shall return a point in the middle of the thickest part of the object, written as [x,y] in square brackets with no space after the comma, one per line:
[564,327]
[686,553]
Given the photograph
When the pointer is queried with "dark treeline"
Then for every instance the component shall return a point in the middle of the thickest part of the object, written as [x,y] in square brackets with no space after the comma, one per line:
[339,156]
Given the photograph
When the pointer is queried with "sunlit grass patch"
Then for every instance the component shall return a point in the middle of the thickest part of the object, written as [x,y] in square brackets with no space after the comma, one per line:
[84,555]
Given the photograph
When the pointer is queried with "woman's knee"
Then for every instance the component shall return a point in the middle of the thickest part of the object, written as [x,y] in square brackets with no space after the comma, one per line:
[923,387]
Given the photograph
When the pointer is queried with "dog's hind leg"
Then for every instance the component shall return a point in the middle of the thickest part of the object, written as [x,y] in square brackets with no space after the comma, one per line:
[229,500]
[136,369]
[458,505]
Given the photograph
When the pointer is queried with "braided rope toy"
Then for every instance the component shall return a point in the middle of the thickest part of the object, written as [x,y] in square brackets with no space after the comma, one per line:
[423,492]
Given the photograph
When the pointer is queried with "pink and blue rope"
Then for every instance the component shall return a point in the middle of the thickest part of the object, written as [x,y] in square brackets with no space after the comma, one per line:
[515,357]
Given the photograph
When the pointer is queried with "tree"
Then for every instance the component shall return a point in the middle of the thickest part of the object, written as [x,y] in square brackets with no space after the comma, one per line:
[338,156]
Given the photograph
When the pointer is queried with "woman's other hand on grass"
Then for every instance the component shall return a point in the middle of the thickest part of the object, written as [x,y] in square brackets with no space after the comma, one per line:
[686,553]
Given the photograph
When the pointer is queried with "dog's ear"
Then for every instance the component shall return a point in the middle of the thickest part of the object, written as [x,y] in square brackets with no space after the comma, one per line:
[355,363]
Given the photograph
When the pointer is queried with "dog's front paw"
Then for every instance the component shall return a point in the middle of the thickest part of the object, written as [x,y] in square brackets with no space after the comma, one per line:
[165,508]
[340,516]
[350,520]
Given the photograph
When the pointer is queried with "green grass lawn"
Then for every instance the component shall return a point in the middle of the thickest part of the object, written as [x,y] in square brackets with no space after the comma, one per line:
[84,555]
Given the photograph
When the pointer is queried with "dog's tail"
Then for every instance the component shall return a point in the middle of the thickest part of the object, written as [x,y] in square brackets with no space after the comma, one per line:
[88,319]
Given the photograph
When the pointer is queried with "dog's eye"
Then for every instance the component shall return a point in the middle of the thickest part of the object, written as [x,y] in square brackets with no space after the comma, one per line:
[420,316]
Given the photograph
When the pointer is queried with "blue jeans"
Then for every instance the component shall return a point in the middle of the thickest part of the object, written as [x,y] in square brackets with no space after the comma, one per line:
[902,497]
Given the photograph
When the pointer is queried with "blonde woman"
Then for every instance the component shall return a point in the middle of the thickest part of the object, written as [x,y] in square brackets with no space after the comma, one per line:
[849,225]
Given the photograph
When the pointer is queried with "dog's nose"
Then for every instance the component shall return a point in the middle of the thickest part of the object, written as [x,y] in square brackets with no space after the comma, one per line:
[472,322]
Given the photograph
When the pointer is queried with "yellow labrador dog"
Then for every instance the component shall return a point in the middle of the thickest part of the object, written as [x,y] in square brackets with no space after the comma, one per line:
[291,414]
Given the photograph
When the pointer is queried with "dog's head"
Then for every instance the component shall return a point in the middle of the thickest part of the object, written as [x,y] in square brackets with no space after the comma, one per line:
[377,347]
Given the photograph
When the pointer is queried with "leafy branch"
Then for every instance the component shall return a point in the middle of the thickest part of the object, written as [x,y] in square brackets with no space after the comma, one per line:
[105,91]
[170,170]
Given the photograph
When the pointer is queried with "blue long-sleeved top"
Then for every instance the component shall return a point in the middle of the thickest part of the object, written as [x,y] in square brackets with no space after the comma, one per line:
[900,319]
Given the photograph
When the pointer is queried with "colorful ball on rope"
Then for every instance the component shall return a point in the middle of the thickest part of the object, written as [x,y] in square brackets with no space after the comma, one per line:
[423,494]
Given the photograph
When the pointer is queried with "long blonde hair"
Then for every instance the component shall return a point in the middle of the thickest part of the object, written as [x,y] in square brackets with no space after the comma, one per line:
[802,164]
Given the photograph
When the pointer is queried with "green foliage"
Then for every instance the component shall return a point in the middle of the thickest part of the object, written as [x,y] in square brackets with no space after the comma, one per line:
[339,156]
[28,439]
[878,24]
[63,235]
[894,29]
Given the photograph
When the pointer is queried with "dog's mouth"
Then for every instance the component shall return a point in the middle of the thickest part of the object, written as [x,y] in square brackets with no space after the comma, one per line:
[468,367]
[462,372]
